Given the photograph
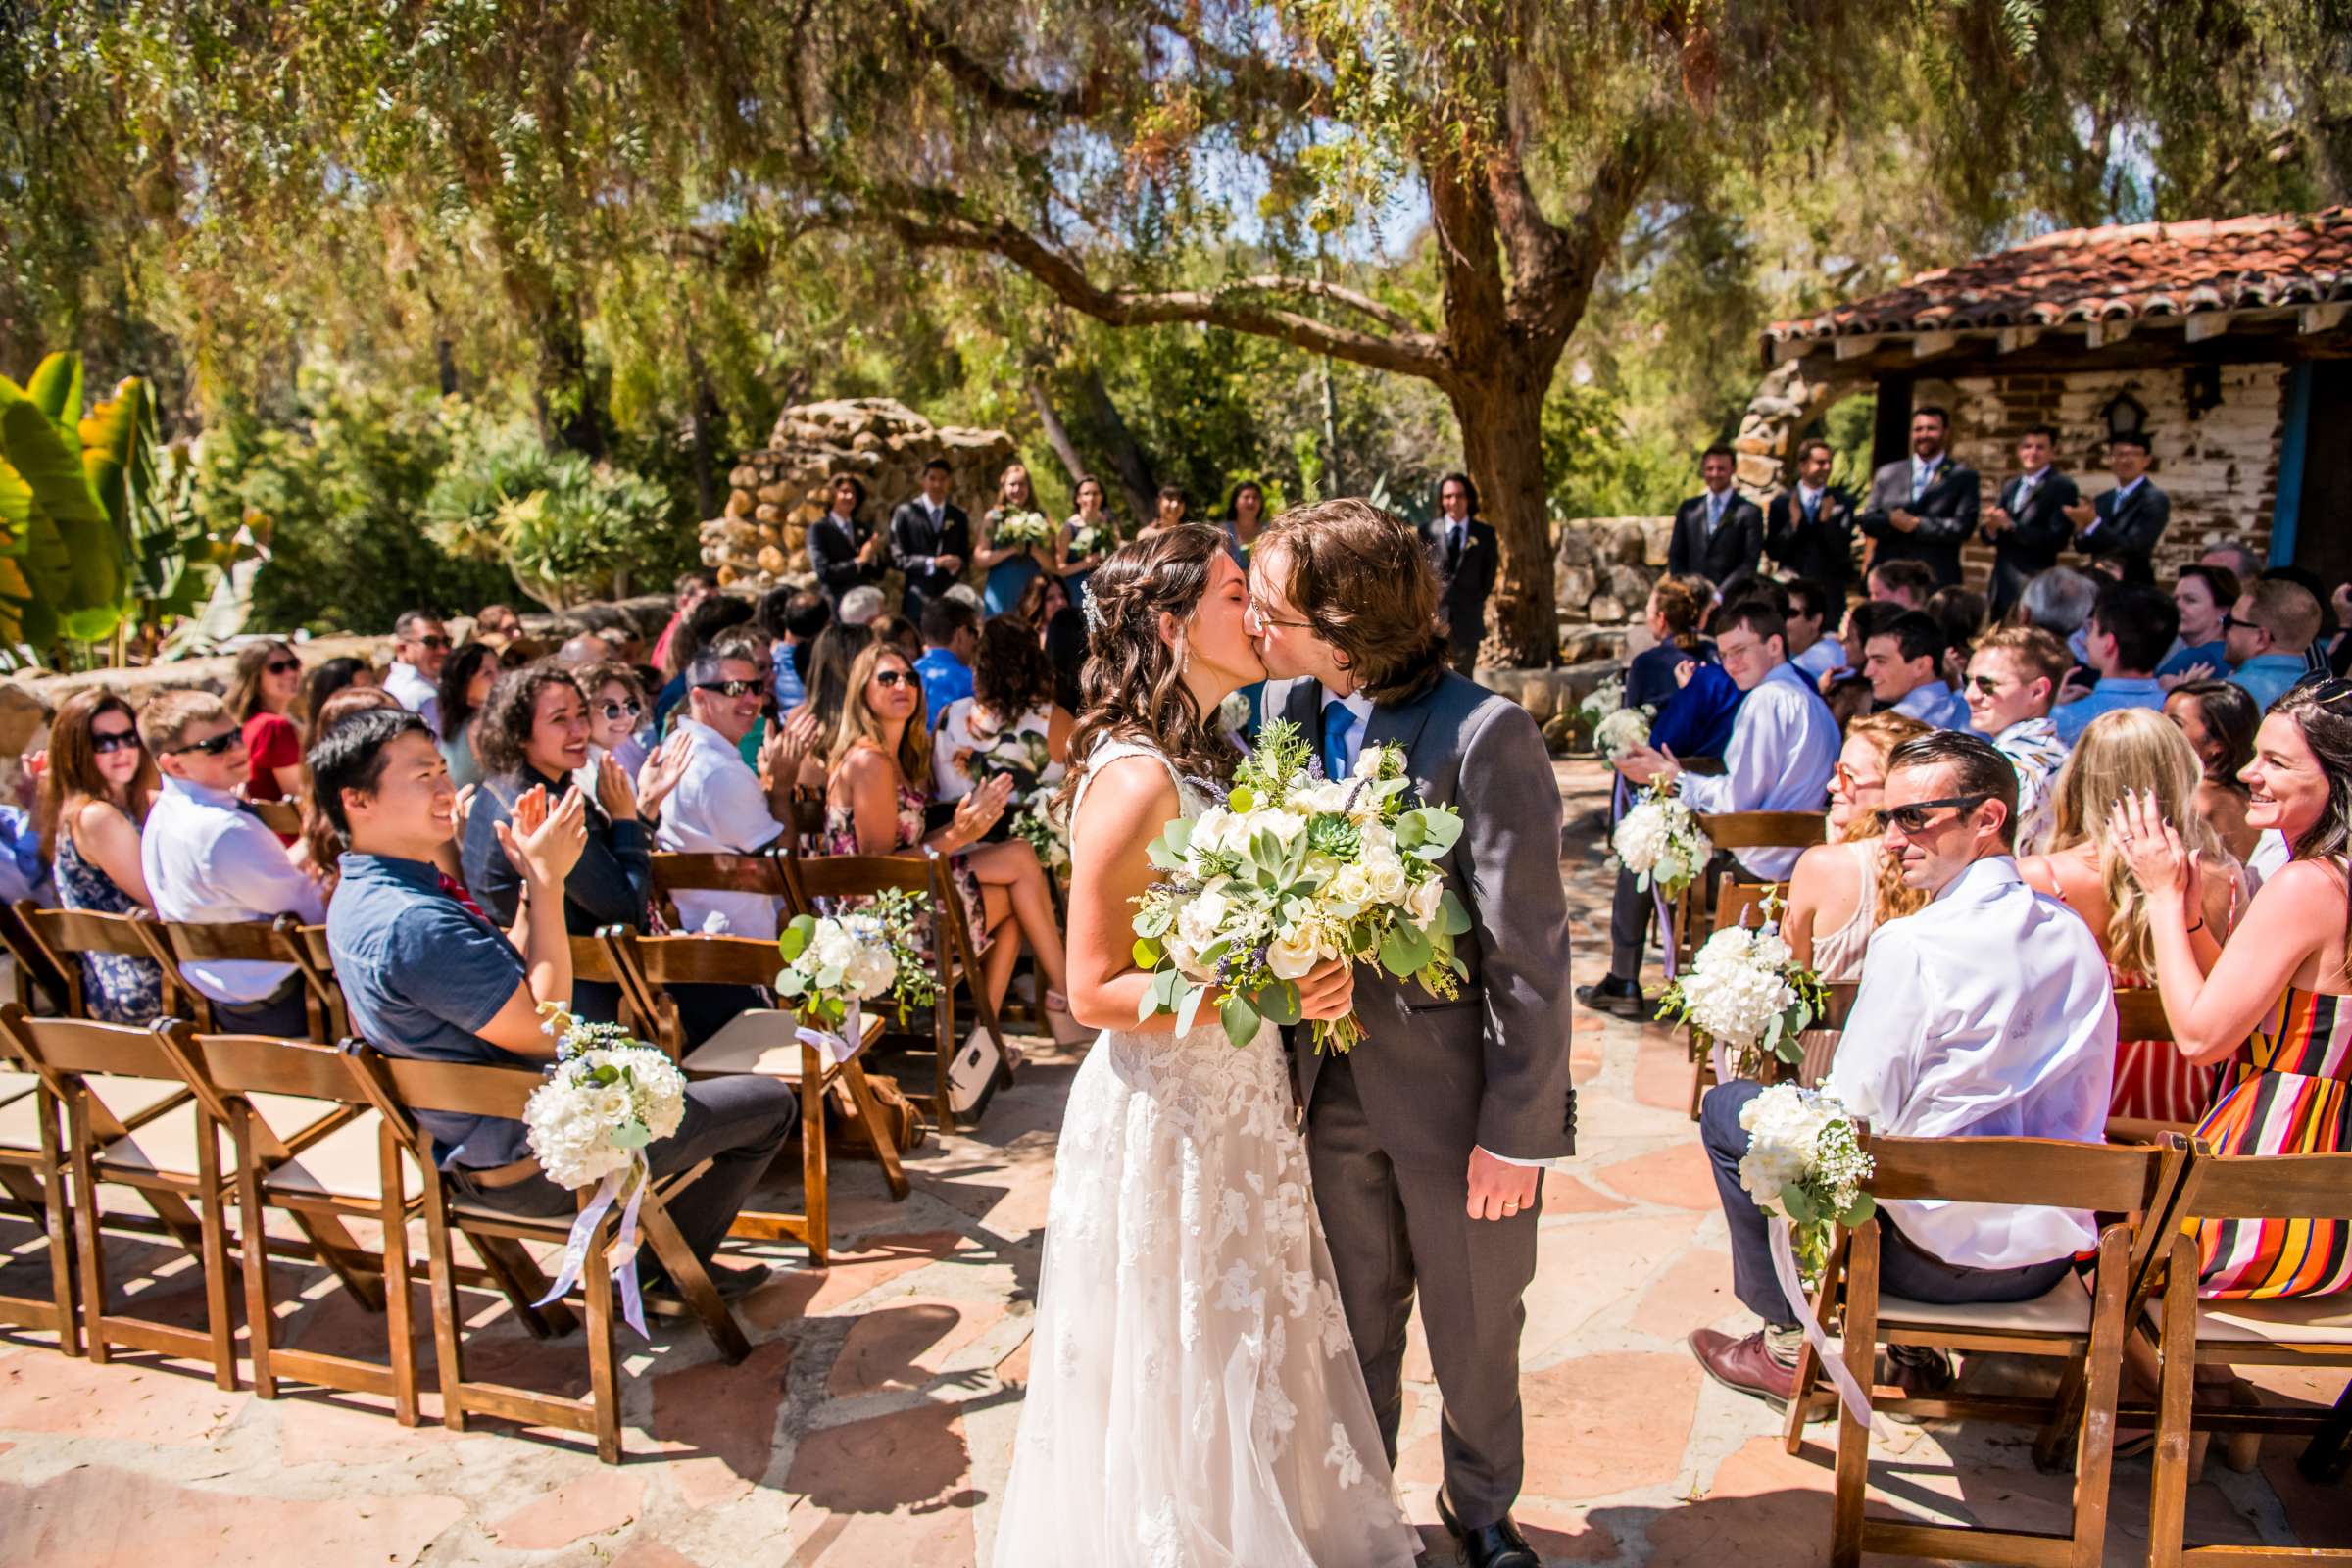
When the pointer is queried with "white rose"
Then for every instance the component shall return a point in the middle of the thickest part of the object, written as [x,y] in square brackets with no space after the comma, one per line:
[1422,899]
[1293,953]
[1327,797]
[1210,829]
[1286,826]
[1351,886]
[1198,921]
[1385,874]
[1367,763]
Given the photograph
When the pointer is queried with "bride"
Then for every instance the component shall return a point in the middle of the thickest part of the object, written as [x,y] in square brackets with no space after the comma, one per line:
[1194,1401]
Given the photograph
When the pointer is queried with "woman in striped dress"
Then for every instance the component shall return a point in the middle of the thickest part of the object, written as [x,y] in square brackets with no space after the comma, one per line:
[2280,987]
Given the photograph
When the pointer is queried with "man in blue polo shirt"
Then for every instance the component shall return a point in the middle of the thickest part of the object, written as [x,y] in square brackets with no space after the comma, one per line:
[2128,630]
[427,975]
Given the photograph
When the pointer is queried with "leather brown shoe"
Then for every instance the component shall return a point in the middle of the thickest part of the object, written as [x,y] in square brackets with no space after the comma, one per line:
[1495,1545]
[1745,1365]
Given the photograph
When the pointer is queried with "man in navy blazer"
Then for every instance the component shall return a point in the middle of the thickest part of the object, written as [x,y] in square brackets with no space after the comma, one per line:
[1718,533]
[2028,525]
[1923,507]
[1809,530]
[2129,519]
[1465,552]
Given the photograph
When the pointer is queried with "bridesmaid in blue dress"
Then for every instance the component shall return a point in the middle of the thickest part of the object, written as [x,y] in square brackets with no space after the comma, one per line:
[1073,563]
[1011,568]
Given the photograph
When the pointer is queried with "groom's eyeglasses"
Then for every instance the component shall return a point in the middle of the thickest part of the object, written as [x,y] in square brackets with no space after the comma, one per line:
[1257,620]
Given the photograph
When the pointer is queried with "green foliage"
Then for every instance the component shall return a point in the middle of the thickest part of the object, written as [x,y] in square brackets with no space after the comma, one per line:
[567,528]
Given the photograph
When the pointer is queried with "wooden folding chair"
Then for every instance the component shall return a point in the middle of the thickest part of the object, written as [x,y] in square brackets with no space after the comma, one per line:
[2139,1016]
[57,935]
[2314,1331]
[2085,1328]
[398,1088]
[34,966]
[762,873]
[1693,912]
[351,1166]
[1737,903]
[281,818]
[592,962]
[762,1041]
[954,959]
[33,1172]
[176,943]
[169,1159]
[306,946]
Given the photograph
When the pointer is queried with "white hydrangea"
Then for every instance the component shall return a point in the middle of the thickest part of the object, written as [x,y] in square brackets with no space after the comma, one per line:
[598,1107]
[1661,842]
[1804,1139]
[1736,985]
[1622,731]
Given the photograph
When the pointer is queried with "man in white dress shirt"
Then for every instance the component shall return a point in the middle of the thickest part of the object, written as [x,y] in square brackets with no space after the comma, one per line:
[419,647]
[1987,1015]
[1783,744]
[209,861]
[1903,661]
[721,806]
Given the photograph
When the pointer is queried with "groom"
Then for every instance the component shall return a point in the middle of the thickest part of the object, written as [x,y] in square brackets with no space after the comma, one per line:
[1427,1140]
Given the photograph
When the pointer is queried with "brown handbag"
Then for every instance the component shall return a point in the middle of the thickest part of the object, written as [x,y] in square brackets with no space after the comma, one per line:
[845,1132]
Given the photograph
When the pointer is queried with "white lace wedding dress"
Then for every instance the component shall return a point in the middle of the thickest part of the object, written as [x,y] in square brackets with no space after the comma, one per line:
[1194,1398]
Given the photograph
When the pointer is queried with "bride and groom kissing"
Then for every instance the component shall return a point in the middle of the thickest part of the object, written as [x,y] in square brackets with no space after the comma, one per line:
[1236,1236]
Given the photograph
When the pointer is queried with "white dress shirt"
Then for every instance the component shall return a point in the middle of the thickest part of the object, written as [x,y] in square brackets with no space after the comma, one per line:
[410,688]
[1988,1014]
[1934,703]
[210,861]
[1823,656]
[718,808]
[1783,743]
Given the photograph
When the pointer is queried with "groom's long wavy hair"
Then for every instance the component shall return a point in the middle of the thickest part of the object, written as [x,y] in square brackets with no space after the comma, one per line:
[1132,686]
[1363,579]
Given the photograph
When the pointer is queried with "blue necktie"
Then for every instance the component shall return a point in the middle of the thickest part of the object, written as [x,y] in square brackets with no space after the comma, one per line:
[1338,720]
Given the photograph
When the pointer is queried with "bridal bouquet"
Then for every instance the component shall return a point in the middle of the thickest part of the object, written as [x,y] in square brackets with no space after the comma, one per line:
[1291,870]
[606,1097]
[1804,1162]
[1028,530]
[1662,844]
[1746,991]
[834,962]
[1616,728]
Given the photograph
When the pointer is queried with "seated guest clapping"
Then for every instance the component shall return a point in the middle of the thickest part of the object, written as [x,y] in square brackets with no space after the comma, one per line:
[874,799]
[209,861]
[533,736]
[1986,1014]
[2271,1009]
[2013,681]
[427,976]
[1782,745]
[1903,660]
[720,805]
[2128,753]
[2130,626]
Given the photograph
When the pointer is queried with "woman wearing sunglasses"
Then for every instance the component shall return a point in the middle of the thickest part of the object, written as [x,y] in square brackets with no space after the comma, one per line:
[617,712]
[874,796]
[262,697]
[95,793]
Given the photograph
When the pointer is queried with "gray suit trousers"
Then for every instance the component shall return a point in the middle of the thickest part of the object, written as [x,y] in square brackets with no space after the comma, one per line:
[1399,1228]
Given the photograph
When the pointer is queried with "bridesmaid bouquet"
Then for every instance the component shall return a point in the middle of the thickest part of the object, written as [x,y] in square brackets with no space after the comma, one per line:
[1027,530]
[1746,991]
[1094,539]
[1662,844]
[1294,869]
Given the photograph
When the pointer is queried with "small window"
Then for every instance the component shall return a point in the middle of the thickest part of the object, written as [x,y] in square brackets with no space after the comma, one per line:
[2125,414]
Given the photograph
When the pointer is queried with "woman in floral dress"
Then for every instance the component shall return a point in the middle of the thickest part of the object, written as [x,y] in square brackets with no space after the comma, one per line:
[94,796]
[1009,725]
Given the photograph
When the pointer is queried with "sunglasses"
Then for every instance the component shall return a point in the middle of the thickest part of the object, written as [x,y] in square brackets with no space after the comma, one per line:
[895,677]
[282,667]
[615,712]
[731,688]
[434,641]
[211,747]
[1853,780]
[1913,818]
[103,741]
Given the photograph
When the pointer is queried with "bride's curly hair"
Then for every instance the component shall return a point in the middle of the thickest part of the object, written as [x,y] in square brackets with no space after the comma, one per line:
[1131,687]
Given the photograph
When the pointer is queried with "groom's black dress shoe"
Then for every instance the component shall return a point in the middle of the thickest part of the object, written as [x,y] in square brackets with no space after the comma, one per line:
[1495,1545]
[1622,998]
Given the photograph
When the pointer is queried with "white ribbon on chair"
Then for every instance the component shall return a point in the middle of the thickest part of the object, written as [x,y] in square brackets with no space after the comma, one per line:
[623,1254]
[1783,1265]
[1667,942]
[837,1047]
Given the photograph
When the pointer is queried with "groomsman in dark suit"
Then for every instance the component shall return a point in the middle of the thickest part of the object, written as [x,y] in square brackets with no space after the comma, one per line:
[930,540]
[2027,526]
[1467,554]
[1810,530]
[2129,519]
[1923,507]
[1718,533]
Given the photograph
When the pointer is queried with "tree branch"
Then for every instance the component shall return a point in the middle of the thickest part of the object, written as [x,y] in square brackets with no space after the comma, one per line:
[1551,312]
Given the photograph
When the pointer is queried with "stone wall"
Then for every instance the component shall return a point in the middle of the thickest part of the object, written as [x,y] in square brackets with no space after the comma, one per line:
[1603,567]
[776,494]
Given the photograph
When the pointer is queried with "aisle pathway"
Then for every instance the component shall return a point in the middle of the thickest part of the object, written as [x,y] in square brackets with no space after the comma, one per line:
[874,1423]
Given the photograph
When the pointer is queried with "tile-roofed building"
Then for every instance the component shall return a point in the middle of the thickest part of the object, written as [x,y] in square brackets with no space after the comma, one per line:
[2226,341]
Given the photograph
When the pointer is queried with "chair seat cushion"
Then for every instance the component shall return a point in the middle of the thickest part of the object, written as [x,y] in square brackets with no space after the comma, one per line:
[127,1097]
[761,1040]
[345,1163]
[2064,1308]
[167,1146]
[2287,1319]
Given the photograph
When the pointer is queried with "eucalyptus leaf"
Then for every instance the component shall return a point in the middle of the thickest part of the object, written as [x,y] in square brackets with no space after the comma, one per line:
[1240,1020]
[1280,1002]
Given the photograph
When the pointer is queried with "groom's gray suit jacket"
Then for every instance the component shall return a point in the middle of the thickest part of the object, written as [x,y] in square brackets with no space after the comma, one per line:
[1488,1068]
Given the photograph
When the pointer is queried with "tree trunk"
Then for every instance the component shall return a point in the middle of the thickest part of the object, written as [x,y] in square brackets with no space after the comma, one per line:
[1501,421]
[1058,434]
[708,421]
[1127,459]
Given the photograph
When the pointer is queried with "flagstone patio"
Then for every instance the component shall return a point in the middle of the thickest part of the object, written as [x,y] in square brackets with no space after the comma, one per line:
[874,1423]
